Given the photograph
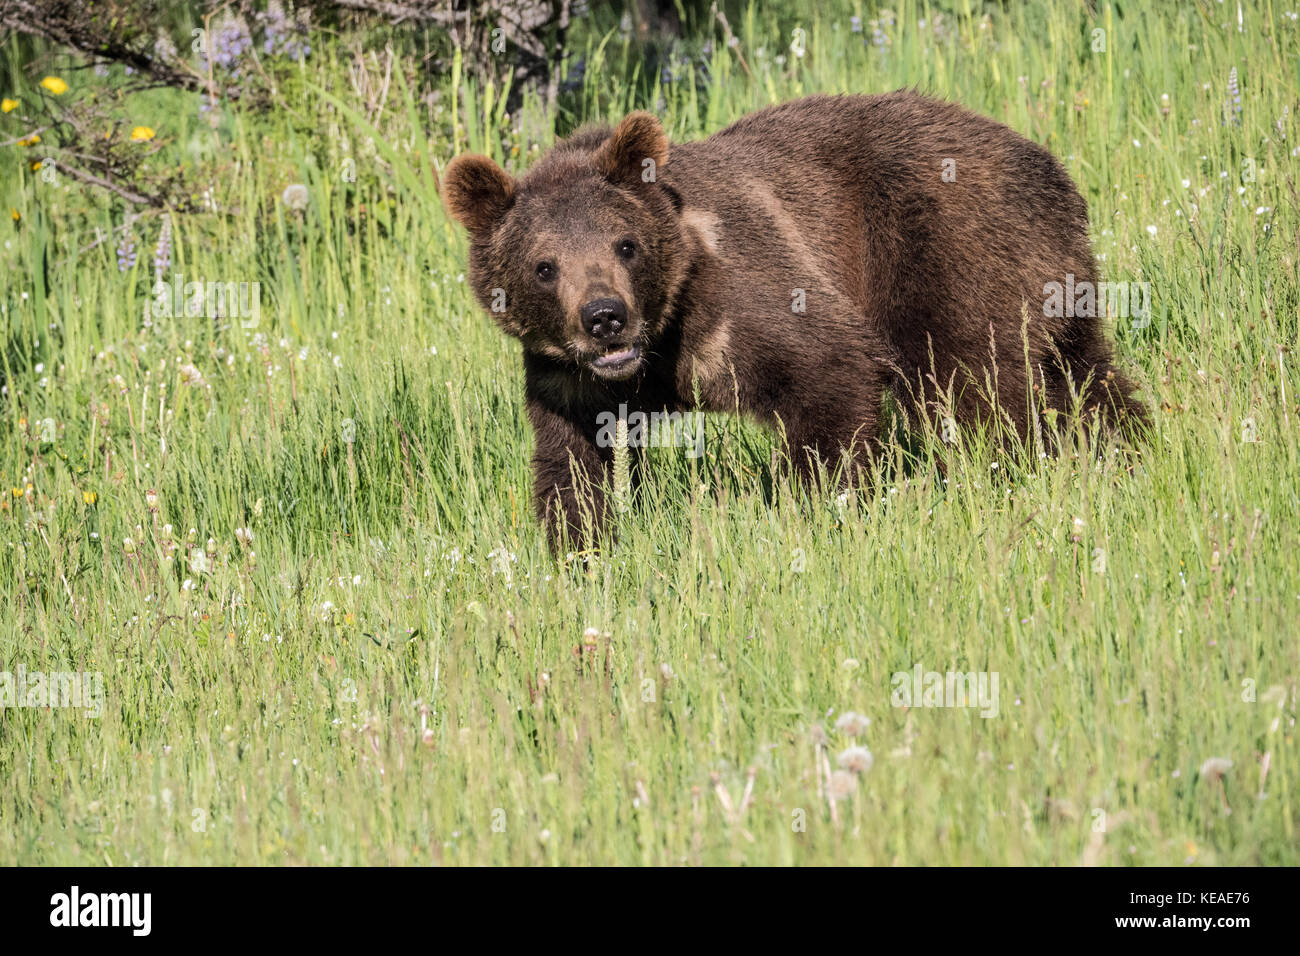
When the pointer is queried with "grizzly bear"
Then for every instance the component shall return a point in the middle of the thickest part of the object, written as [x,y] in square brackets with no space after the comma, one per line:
[792,267]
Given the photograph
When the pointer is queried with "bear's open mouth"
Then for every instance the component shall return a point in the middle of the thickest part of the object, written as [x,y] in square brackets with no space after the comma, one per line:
[613,361]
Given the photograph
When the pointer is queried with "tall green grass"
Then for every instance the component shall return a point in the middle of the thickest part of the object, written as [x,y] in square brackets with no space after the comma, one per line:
[393,669]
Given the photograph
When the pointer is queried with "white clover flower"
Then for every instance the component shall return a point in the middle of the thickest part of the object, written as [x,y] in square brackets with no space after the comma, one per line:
[190,375]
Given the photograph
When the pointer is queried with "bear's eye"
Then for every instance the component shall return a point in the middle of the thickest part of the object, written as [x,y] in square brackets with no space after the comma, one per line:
[626,249]
[546,271]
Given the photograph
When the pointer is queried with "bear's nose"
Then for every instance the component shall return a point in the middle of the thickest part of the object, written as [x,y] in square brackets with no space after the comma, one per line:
[604,317]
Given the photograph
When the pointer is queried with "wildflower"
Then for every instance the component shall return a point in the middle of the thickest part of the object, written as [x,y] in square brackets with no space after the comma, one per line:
[230,41]
[8,105]
[126,253]
[89,497]
[162,255]
[1232,106]
[852,724]
[142,134]
[190,375]
[55,85]
[151,499]
[30,140]
[128,546]
[856,759]
[295,196]
[14,214]
[842,784]
[284,36]
[244,536]
[163,48]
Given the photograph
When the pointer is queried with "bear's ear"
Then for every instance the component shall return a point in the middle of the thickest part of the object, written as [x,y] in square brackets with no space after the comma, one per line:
[477,191]
[635,152]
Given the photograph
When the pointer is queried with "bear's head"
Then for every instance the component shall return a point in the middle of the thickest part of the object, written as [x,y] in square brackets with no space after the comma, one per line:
[581,257]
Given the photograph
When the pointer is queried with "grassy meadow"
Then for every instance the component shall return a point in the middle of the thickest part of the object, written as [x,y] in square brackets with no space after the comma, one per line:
[300,551]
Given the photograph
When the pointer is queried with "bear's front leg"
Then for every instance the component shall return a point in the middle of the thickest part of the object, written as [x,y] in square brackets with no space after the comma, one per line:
[571,477]
[836,426]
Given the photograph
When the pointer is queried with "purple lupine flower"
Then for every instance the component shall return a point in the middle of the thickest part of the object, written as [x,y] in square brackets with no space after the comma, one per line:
[1232,108]
[855,24]
[126,252]
[276,28]
[226,46]
[284,35]
[162,255]
[163,48]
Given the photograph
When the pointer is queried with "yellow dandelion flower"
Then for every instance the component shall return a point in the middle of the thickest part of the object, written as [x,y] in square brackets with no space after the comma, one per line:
[8,106]
[142,134]
[30,140]
[89,497]
[16,492]
[36,165]
[55,85]
[14,214]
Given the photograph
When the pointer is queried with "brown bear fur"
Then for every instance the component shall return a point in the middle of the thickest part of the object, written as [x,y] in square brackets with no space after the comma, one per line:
[910,282]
